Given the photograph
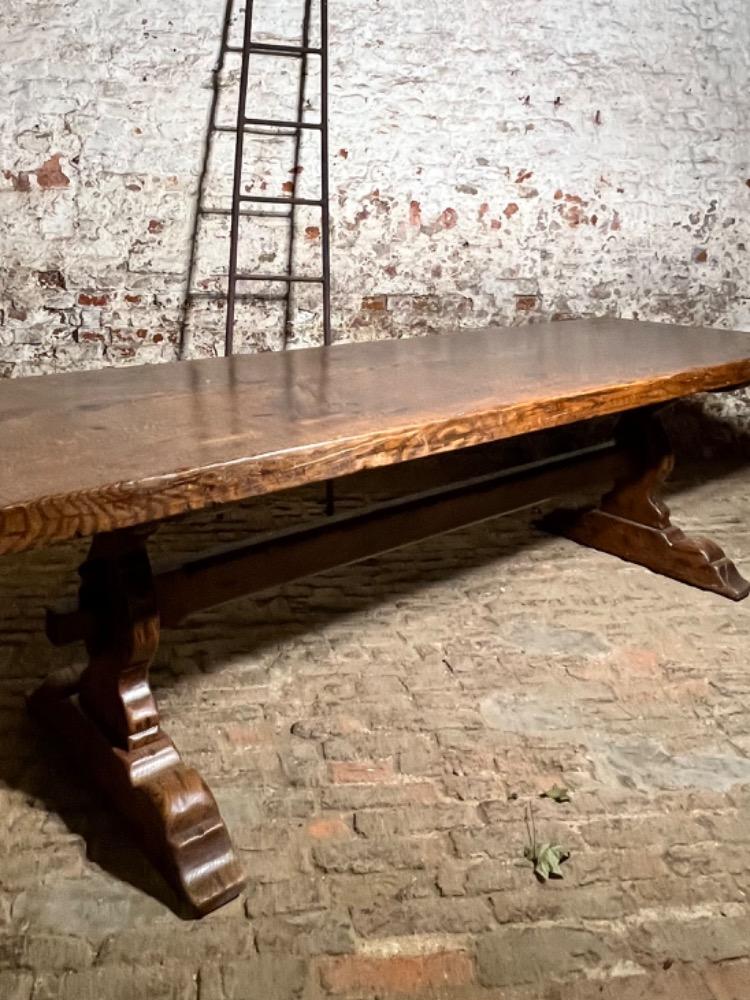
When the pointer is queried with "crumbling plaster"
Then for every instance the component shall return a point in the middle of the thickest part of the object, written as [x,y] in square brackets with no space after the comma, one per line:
[491,163]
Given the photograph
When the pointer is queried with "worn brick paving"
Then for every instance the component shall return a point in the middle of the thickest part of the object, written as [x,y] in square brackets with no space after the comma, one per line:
[375,736]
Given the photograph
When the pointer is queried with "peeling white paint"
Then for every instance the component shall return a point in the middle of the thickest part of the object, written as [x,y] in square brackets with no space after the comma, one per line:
[491,163]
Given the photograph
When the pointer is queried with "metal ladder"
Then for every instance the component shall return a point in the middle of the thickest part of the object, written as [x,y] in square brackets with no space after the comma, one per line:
[241,202]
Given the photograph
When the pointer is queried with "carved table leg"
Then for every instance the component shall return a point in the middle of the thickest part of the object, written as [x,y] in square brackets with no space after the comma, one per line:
[633,522]
[108,717]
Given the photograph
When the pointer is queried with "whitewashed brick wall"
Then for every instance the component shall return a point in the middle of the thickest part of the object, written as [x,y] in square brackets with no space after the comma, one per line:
[491,163]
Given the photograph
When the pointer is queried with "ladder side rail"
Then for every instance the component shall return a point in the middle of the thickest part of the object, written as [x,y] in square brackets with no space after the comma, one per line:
[330,501]
[199,212]
[325,187]
[239,150]
[292,236]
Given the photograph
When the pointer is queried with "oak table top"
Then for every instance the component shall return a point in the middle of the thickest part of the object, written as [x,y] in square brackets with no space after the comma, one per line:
[86,452]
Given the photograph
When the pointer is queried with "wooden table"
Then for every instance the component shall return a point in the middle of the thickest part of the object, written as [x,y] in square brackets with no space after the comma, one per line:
[111,453]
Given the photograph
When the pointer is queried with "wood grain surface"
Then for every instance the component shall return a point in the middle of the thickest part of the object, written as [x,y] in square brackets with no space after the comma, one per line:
[88,452]
[632,520]
[107,719]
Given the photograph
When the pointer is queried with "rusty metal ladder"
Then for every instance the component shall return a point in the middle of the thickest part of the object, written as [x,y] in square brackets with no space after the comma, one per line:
[258,206]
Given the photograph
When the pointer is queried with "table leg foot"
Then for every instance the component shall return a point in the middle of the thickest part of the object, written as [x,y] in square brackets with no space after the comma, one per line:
[107,717]
[694,560]
[633,522]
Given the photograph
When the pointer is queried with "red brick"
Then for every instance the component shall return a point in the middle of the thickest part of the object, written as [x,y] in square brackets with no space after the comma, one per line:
[398,975]
[360,772]
[520,955]
[449,218]
[50,174]
[323,828]
[92,299]
[416,819]
[730,981]
[242,735]
[375,303]
[526,303]
[711,939]
[345,797]
[384,918]
[20,181]
[299,894]
[676,983]
[363,857]
[51,279]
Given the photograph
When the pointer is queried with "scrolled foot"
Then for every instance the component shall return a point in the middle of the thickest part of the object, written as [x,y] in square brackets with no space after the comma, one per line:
[108,719]
[694,560]
[167,805]
[633,522]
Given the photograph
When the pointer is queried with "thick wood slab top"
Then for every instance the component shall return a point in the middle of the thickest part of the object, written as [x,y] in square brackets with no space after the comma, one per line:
[91,451]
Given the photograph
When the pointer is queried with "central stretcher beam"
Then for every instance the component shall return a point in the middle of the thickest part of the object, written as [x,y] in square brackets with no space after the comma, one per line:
[224,576]
[227,574]
[106,714]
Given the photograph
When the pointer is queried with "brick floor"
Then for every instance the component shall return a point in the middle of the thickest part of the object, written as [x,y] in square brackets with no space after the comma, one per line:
[375,737]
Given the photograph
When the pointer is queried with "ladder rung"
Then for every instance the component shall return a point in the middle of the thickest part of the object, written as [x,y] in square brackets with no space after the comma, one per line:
[271,49]
[239,297]
[288,278]
[253,213]
[276,123]
[254,131]
[265,200]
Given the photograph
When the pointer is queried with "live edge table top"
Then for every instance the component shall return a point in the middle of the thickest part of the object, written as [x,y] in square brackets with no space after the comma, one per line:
[86,452]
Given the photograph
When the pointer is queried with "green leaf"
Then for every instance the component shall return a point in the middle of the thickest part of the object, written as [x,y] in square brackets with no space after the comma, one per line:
[557,793]
[547,859]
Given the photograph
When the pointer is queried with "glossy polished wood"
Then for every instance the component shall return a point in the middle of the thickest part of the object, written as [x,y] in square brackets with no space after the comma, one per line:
[238,571]
[107,715]
[91,452]
[633,522]
[110,453]
[108,719]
